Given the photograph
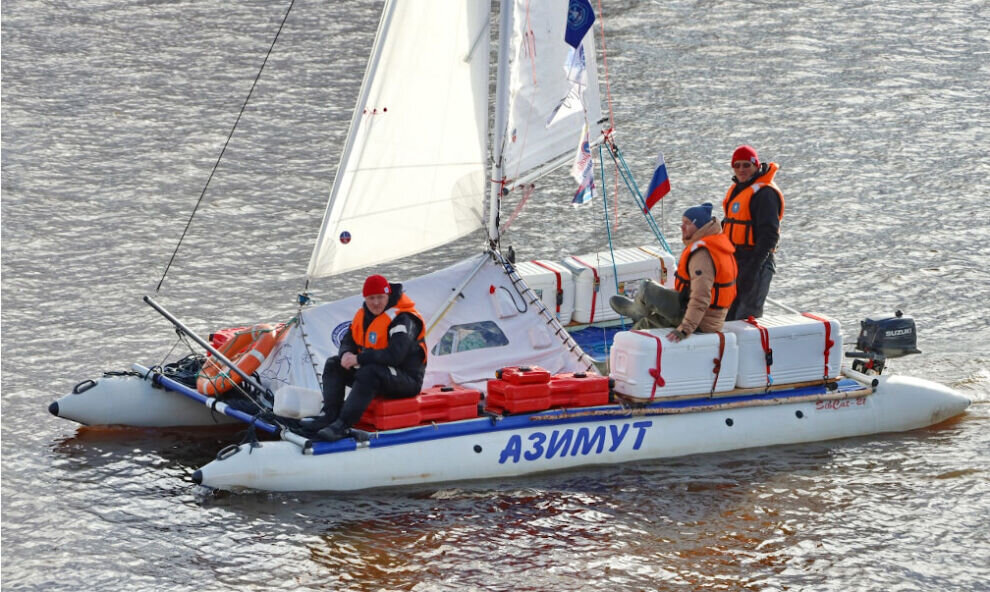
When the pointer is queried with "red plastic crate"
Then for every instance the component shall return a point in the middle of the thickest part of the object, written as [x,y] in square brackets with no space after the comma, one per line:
[563,390]
[578,389]
[439,404]
[523,375]
[517,398]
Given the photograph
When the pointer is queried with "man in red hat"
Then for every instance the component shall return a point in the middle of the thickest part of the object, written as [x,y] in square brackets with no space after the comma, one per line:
[753,207]
[383,353]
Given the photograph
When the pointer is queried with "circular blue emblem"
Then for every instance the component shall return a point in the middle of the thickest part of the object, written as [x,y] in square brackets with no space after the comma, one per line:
[345,237]
[338,333]
[735,207]
[373,338]
[579,15]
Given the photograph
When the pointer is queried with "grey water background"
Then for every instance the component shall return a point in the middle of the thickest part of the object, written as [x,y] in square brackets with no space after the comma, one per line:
[114,112]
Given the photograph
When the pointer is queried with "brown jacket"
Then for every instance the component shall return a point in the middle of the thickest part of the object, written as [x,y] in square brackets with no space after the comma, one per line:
[698,317]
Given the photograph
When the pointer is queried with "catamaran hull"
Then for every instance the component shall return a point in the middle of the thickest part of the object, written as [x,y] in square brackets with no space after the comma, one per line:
[522,445]
[132,401]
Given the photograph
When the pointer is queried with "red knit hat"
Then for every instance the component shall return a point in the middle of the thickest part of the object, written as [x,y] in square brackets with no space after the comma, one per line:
[745,152]
[375,284]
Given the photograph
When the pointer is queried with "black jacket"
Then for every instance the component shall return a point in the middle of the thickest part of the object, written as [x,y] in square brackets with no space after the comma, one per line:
[764,209]
[403,352]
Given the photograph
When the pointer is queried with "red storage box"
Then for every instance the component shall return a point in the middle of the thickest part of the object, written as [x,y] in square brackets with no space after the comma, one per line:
[563,390]
[439,404]
[523,375]
[578,389]
[517,398]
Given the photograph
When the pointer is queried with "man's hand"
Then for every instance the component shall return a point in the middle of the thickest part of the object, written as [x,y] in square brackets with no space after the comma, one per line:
[676,335]
[348,361]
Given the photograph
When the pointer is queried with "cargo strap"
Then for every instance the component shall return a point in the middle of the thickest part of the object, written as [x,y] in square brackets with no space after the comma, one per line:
[828,339]
[718,360]
[765,342]
[560,289]
[594,291]
[655,372]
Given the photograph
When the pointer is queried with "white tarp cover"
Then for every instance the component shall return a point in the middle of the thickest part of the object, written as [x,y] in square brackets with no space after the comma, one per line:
[489,296]
[539,82]
[412,175]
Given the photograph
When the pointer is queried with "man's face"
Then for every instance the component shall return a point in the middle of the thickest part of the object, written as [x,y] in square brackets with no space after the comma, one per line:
[744,170]
[376,303]
[687,229]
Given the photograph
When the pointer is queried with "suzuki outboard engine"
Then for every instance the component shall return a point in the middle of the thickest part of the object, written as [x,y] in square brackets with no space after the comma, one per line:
[888,336]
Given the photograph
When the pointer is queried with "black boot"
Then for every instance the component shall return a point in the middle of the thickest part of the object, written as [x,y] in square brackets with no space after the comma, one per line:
[333,432]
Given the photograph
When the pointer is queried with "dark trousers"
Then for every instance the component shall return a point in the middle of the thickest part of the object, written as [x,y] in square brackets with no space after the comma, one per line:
[752,292]
[365,382]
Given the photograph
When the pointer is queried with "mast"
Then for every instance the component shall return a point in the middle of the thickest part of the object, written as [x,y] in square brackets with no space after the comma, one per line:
[501,110]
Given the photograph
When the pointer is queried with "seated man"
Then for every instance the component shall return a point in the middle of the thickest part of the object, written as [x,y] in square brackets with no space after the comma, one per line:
[383,353]
[705,282]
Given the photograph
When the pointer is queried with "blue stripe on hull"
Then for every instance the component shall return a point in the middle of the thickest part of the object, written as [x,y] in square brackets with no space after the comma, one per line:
[562,416]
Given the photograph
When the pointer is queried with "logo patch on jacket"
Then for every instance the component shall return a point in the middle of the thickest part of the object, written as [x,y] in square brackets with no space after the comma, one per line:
[372,338]
[735,207]
[338,333]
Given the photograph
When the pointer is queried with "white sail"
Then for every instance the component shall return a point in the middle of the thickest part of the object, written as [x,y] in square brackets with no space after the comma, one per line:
[412,175]
[540,88]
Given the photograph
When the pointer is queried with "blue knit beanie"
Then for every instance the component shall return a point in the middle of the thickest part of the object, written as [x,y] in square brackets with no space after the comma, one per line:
[699,215]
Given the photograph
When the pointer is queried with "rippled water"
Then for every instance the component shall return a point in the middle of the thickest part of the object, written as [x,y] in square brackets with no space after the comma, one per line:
[114,113]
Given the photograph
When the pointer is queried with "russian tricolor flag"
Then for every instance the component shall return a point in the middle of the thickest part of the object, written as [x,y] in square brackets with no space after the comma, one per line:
[659,185]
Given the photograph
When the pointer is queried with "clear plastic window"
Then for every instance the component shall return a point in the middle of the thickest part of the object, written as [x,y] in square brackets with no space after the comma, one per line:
[470,336]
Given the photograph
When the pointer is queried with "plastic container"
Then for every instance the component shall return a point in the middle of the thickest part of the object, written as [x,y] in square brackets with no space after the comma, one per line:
[595,278]
[436,404]
[686,367]
[297,402]
[798,345]
[523,375]
[553,284]
[562,390]
[578,389]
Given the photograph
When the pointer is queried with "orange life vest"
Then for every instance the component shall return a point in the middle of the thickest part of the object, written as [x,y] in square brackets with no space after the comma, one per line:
[376,337]
[738,223]
[721,250]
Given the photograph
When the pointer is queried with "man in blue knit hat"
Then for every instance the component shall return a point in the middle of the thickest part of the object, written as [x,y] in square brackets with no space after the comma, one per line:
[704,282]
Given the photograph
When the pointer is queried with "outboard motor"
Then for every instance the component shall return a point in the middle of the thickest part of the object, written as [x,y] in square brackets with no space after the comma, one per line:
[888,336]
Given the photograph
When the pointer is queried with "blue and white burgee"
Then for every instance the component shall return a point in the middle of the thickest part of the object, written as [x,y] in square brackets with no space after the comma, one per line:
[580,17]
[575,69]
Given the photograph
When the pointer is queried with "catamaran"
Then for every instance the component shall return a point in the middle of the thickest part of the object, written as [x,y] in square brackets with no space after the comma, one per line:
[514,385]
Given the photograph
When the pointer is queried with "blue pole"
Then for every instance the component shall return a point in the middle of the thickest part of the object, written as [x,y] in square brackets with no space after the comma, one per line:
[211,402]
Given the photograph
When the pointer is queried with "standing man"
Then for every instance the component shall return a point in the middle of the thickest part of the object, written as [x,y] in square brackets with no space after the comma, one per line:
[753,208]
[383,353]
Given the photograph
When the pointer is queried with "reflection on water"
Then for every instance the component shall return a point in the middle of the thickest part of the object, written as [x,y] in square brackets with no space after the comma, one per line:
[113,115]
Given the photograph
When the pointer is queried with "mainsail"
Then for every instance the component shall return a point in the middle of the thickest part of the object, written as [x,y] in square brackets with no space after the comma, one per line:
[413,173]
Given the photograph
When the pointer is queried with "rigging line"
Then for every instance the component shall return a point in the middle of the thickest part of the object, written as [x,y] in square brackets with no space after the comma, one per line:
[611,247]
[222,150]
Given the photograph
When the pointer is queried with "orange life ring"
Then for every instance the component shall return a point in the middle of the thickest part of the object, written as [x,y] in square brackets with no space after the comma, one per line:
[247,350]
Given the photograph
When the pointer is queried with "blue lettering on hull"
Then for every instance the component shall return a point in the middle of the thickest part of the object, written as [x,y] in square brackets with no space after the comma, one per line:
[573,442]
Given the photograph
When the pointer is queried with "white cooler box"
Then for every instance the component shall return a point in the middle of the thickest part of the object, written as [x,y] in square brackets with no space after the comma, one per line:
[798,345]
[594,278]
[686,366]
[553,284]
